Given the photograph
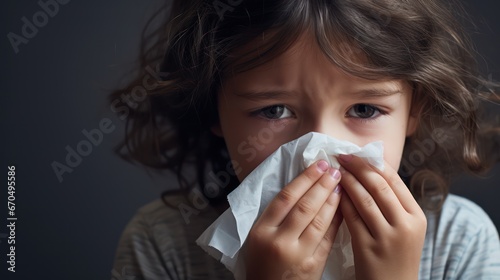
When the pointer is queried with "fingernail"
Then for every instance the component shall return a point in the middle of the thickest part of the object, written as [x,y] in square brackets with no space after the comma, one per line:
[345,158]
[337,189]
[335,173]
[323,165]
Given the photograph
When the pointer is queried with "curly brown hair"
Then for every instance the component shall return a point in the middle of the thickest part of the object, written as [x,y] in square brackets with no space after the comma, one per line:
[419,41]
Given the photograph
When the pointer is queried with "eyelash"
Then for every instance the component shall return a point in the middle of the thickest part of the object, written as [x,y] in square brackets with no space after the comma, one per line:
[260,112]
[379,112]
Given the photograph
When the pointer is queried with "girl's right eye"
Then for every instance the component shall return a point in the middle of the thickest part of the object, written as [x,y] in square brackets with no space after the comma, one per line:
[274,112]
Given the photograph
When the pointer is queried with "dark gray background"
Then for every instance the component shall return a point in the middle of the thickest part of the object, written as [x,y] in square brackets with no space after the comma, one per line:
[56,86]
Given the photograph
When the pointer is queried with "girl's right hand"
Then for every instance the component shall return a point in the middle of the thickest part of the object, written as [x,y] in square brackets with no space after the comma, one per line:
[294,235]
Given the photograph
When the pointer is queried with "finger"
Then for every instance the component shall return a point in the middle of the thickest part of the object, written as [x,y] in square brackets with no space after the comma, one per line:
[402,191]
[374,190]
[325,246]
[280,206]
[307,207]
[353,220]
[318,227]
[393,180]
[366,206]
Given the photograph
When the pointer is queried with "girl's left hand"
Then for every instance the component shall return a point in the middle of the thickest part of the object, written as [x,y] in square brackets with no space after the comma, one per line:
[386,223]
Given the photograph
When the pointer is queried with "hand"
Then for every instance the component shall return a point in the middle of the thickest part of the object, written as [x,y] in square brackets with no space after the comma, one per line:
[294,235]
[386,223]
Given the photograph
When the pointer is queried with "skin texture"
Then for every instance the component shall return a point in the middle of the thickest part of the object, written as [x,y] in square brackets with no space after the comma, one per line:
[297,229]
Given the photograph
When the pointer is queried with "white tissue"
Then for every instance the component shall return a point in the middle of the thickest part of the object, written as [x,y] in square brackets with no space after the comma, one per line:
[226,236]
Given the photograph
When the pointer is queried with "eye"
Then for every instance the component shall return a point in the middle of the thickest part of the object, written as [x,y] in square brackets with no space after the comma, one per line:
[363,111]
[274,112]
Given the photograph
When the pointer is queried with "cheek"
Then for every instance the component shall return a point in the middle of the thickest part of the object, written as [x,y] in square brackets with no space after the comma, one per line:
[249,142]
[393,151]
[394,160]
[249,151]
[394,137]
[393,144]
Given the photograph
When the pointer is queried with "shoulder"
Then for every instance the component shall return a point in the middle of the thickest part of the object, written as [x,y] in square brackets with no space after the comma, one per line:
[461,241]
[159,241]
[460,217]
[139,249]
[150,216]
[465,221]
[158,212]
[464,206]
[168,219]
[174,211]
[460,212]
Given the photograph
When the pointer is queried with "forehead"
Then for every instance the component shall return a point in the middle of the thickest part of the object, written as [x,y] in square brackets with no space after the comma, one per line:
[301,55]
[272,50]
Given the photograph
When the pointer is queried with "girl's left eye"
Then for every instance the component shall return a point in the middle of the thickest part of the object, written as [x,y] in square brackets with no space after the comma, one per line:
[274,112]
[364,111]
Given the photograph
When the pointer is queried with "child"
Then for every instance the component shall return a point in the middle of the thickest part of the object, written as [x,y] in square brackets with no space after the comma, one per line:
[240,78]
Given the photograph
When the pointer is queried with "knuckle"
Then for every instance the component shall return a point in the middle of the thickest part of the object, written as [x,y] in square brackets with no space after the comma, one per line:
[256,232]
[411,228]
[381,185]
[257,235]
[393,179]
[305,207]
[328,237]
[311,174]
[308,266]
[285,196]
[383,189]
[318,224]
[348,179]
[421,220]
[333,201]
[367,201]
[278,248]
[406,228]
[323,185]
[355,217]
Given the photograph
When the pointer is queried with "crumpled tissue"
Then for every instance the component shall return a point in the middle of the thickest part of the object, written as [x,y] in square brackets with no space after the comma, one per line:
[225,238]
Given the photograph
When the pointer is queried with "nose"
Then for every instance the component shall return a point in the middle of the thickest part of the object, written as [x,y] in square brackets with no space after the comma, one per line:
[325,123]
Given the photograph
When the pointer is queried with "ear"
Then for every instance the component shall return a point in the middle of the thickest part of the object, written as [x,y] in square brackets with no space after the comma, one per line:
[217,130]
[415,111]
[411,127]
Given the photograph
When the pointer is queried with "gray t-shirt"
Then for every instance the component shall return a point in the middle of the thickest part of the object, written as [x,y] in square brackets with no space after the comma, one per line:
[159,243]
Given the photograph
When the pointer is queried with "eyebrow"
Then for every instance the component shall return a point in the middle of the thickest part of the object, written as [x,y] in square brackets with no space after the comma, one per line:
[376,92]
[266,94]
[276,94]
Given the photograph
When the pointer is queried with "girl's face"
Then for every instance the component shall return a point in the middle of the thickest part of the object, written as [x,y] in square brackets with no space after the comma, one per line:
[302,91]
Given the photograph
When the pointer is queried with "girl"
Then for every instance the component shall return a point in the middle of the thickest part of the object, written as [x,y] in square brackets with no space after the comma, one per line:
[237,79]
